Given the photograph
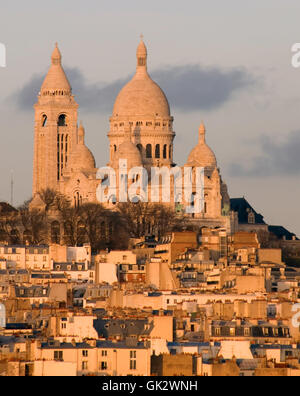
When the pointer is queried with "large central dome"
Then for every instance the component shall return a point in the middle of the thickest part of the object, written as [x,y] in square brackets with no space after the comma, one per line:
[141,96]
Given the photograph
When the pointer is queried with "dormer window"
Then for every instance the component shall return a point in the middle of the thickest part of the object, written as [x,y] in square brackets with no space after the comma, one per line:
[251,218]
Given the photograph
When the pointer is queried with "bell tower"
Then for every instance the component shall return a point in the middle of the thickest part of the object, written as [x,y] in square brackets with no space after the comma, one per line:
[55,130]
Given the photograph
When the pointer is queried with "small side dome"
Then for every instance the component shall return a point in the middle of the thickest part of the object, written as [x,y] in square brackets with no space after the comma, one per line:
[128,150]
[202,155]
[81,157]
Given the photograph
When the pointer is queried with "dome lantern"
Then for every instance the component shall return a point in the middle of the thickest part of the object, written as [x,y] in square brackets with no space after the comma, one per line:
[141,55]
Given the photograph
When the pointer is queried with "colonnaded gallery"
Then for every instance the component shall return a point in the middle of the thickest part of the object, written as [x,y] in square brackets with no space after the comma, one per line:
[141,132]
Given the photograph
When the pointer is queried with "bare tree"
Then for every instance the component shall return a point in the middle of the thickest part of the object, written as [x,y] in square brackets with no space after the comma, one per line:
[70,218]
[9,221]
[145,218]
[35,225]
[49,198]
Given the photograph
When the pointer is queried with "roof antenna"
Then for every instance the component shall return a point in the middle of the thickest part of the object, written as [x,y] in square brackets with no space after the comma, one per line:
[12,188]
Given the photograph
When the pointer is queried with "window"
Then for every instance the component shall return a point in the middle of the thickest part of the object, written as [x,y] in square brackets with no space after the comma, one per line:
[44,120]
[148,151]
[217,331]
[64,325]
[165,151]
[141,61]
[58,355]
[85,353]
[104,353]
[103,366]
[246,331]
[232,331]
[61,120]
[84,365]
[157,151]
[132,354]
[132,364]
[251,218]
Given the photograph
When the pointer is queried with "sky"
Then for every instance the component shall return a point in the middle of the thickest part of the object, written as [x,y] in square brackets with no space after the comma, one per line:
[226,63]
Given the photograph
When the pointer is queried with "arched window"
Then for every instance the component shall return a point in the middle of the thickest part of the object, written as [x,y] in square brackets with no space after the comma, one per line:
[165,151]
[141,61]
[170,152]
[206,203]
[140,147]
[77,199]
[115,148]
[55,232]
[62,120]
[251,218]
[44,120]
[148,151]
[157,151]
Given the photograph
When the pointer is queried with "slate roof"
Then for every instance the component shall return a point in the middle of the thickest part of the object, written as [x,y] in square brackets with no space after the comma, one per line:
[64,345]
[242,207]
[120,345]
[125,327]
[282,232]
[32,291]
[247,364]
